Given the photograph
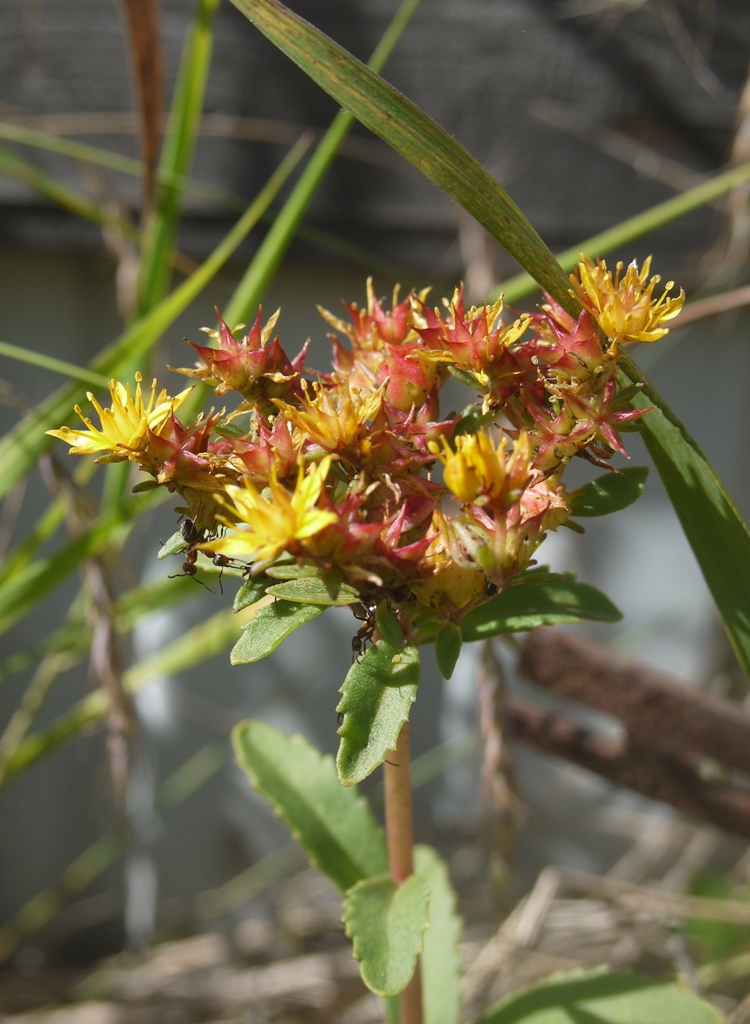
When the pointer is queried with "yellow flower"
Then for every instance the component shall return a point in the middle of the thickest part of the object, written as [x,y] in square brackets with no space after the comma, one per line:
[624,306]
[272,526]
[478,468]
[125,426]
[335,416]
[450,587]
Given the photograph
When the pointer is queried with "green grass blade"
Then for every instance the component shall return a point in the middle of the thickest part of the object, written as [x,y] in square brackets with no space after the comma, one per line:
[413,134]
[197,645]
[268,258]
[25,355]
[14,166]
[629,230]
[176,157]
[67,147]
[26,589]
[23,445]
[99,157]
[717,533]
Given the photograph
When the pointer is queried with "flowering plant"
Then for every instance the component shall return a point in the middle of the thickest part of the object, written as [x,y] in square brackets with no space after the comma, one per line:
[348,487]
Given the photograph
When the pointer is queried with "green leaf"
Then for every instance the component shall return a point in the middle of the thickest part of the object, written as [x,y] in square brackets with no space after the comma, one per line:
[269,627]
[334,825]
[173,546]
[387,622]
[468,378]
[271,251]
[250,592]
[385,922]
[377,694]
[597,997]
[327,589]
[292,572]
[440,964]
[717,533]
[176,156]
[413,134]
[609,493]
[538,579]
[22,446]
[447,648]
[521,608]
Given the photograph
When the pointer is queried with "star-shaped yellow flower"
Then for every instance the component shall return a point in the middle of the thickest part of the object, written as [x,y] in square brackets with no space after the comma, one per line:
[624,306]
[480,471]
[332,418]
[124,426]
[262,528]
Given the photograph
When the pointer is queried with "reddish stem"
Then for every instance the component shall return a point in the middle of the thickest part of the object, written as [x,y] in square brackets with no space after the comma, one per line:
[399,835]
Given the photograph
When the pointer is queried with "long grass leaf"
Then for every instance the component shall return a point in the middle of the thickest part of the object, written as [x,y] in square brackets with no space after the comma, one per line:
[85,153]
[17,167]
[177,155]
[25,355]
[203,641]
[717,533]
[26,589]
[271,252]
[413,134]
[23,445]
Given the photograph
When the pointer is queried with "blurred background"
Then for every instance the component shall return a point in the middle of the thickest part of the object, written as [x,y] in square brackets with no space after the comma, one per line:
[587,112]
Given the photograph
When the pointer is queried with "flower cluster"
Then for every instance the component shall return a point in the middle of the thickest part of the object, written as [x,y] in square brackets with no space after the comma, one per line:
[355,471]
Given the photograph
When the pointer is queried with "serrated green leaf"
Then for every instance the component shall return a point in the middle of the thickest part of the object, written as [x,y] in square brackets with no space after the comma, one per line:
[377,694]
[520,608]
[413,134]
[292,572]
[334,825]
[327,589]
[269,627]
[173,546]
[539,579]
[597,997]
[609,493]
[447,648]
[388,624]
[250,592]
[385,922]
[440,963]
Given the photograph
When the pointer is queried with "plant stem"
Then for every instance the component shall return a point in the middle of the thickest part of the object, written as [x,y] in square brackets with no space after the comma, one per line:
[399,836]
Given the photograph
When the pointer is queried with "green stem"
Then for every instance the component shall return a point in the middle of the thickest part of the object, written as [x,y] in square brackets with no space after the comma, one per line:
[399,832]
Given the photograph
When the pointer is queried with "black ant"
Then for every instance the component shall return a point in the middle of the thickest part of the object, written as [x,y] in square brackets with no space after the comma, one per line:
[490,588]
[364,634]
[192,538]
